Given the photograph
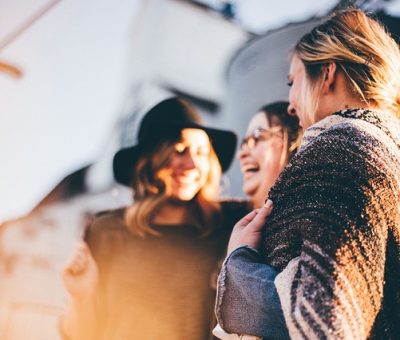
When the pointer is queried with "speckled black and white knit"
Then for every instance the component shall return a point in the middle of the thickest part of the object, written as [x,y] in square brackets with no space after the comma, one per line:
[335,230]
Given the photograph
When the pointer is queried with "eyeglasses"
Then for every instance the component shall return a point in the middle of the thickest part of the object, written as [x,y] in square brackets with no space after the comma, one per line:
[259,134]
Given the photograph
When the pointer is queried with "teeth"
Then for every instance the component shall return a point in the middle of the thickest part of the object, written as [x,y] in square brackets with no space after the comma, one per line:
[186,178]
[250,168]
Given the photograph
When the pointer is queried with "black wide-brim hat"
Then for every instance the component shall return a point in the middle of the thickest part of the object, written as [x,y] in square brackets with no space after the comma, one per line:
[165,121]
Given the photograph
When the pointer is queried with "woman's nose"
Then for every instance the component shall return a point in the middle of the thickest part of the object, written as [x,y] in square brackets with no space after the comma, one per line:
[243,152]
[188,161]
[291,110]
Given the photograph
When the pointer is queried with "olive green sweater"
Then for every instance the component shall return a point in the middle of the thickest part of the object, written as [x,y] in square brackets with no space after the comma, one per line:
[157,287]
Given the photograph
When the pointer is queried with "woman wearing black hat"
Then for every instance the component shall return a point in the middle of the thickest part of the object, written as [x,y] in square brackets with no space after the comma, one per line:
[147,271]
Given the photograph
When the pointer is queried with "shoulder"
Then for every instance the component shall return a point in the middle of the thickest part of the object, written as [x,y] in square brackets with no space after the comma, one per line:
[361,131]
[234,209]
[342,152]
[109,219]
[231,204]
[348,143]
[106,223]
[345,135]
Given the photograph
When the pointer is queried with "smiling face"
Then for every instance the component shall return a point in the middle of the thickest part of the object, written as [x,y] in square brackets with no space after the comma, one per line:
[189,164]
[297,80]
[260,160]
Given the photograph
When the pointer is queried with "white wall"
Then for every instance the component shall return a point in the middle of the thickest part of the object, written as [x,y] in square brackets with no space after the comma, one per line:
[53,120]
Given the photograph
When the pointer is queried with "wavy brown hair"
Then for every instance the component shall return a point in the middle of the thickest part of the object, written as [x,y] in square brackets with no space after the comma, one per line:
[152,190]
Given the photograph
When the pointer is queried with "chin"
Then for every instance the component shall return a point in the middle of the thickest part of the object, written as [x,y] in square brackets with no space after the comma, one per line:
[185,195]
[249,191]
[185,198]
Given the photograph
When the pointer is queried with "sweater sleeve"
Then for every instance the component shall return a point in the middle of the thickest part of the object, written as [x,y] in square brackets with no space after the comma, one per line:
[100,237]
[341,200]
[87,316]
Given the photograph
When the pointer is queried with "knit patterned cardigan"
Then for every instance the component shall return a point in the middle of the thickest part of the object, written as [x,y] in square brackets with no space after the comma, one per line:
[335,230]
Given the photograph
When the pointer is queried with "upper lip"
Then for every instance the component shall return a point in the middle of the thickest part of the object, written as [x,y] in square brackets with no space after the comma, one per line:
[249,166]
[190,176]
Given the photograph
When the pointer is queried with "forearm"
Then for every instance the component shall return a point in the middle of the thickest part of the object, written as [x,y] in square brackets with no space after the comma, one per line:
[247,301]
[79,320]
[323,297]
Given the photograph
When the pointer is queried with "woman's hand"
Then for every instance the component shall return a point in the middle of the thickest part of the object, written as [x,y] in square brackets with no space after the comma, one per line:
[80,274]
[248,230]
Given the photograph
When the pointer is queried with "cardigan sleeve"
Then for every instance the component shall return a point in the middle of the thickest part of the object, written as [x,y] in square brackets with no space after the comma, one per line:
[341,201]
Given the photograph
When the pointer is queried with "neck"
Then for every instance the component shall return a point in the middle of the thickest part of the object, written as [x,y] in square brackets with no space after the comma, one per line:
[172,212]
[258,201]
[343,103]
[339,98]
[259,197]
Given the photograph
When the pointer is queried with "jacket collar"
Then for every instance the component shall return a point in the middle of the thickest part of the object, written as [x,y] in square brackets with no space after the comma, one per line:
[385,121]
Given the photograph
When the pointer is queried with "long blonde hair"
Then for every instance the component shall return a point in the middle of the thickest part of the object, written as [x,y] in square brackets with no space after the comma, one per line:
[361,48]
[151,191]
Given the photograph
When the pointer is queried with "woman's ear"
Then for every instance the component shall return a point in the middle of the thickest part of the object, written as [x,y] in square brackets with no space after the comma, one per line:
[329,78]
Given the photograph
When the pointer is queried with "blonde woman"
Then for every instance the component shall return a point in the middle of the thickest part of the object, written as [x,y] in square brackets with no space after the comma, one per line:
[334,231]
[148,271]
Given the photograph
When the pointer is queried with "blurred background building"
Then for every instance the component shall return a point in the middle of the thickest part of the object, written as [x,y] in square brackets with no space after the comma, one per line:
[75,79]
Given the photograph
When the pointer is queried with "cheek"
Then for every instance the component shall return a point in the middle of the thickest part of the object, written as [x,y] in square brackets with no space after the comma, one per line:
[269,160]
[172,163]
[264,152]
[205,170]
[203,166]
[165,175]
[260,155]
[293,95]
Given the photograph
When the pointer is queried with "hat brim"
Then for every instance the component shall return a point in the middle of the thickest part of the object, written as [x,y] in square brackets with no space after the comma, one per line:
[223,141]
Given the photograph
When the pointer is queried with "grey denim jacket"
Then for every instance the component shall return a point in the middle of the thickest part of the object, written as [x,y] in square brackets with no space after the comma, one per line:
[247,301]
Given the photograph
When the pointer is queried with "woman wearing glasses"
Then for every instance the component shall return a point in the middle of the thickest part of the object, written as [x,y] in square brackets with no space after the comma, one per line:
[270,142]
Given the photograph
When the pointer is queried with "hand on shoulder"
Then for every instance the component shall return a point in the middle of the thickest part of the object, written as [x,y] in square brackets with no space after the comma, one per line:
[80,274]
[248,230]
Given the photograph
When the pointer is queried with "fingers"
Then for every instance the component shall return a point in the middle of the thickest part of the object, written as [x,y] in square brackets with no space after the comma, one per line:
[243,222]
[248,230]
[79,259]
[84,248]
[268,204]
[260,218]
[265,211]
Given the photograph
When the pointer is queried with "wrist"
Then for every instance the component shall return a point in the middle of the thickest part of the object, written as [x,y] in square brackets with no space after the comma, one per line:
[80,300]
[235,247]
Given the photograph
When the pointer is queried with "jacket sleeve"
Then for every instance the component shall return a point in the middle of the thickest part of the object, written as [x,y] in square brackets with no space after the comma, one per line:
[334,289]
[247,301]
